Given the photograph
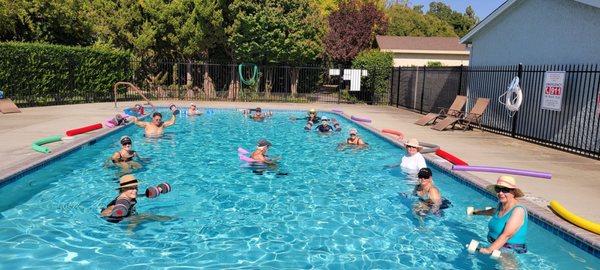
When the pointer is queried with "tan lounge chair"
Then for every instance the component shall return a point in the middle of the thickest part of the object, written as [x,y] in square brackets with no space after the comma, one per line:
[474,116]
[455,110]
[8,106]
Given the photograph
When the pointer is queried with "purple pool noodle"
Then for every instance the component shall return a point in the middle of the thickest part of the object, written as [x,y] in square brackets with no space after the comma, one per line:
[502,170]
[242,151]
[360,119]
[337,111]
[246,159]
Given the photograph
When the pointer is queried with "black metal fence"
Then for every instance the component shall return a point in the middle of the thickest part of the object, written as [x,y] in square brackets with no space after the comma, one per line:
[222,81]
[575,128]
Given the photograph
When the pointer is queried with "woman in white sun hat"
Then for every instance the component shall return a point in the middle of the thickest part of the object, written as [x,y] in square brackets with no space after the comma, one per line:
[413,161]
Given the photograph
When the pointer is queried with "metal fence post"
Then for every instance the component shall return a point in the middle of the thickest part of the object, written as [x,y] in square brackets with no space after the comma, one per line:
[398,88]
[340,84]
[460,74]
[423,88]
[513,132]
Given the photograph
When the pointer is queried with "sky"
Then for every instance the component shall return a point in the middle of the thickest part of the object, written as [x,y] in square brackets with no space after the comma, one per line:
[482,7]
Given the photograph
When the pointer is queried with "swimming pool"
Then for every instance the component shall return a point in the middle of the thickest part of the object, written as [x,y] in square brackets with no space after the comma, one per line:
[333,209]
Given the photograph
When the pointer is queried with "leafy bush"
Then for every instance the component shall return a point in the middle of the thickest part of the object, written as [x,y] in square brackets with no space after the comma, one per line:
[378,65]
[434,64]
[39,74]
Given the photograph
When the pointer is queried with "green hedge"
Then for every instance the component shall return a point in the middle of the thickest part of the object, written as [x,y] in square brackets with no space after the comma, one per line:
[38,74]
[378,65]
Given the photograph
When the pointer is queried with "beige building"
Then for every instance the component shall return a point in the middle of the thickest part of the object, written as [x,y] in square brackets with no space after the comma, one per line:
[418,51]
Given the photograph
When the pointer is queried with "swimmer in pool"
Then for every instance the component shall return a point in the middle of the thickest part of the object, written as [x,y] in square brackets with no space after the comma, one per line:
[156,127]
[430,198]
[192,110]
[324,127]
[128,193]
[128,188]
[124,157]
[353,141]
[260,154]
[258,114]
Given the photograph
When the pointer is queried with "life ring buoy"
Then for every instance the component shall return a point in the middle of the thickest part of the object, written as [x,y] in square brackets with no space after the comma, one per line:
[510,103]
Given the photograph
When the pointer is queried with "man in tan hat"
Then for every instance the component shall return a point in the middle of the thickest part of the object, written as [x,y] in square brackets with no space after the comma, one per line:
[508,225]
[413,161]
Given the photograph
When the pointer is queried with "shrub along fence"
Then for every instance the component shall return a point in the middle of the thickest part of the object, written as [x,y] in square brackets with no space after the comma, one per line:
[575,127]
[38,74]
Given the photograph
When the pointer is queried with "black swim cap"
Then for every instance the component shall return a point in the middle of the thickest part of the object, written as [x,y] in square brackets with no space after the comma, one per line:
[157,114]
[424,173]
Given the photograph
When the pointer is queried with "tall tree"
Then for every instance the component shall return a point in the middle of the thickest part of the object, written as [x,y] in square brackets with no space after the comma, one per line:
[51,21]
[352,28]
[404,21]
[276,31]
[158,28]
[461,23]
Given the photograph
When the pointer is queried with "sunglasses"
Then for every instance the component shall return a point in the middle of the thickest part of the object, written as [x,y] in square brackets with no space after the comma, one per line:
[410,146]
[125,144]
[502,189]
[352,134]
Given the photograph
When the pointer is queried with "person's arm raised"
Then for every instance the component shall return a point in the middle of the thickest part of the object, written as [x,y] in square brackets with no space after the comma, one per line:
[170,122]
[137,122]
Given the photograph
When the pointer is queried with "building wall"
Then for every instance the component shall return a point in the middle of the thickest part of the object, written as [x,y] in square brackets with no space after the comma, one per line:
[412,59]
[540,32]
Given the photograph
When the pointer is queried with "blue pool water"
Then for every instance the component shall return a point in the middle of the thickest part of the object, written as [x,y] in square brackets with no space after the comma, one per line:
[333,210]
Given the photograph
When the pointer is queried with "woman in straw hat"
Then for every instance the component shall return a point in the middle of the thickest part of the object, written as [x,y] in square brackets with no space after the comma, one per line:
[128,188]
[508,225]
[413,161]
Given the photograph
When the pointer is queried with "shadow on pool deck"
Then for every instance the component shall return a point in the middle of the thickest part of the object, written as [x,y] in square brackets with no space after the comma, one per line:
[574,184]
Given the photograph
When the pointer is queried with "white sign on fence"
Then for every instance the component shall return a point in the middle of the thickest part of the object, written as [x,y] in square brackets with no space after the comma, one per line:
[554,87]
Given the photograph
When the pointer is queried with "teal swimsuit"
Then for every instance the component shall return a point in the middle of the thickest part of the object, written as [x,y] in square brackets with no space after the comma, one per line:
[496,227]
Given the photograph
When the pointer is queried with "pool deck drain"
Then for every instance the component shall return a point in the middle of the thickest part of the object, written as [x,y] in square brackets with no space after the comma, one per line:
[574,183]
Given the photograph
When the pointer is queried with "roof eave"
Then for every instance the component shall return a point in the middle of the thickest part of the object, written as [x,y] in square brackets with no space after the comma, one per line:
[467,38]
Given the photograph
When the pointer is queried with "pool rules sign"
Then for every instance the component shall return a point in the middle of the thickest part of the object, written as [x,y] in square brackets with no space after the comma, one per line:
[554,87]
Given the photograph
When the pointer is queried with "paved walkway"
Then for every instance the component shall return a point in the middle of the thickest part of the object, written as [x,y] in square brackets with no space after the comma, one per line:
[575,182]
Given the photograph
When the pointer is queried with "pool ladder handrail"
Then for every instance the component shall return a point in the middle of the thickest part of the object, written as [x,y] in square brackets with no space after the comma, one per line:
[131,86]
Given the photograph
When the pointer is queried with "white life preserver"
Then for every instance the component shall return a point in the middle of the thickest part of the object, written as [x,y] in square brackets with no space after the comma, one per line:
[512,104]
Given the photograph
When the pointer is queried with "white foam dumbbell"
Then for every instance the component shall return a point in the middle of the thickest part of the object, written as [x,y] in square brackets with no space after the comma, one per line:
[473,247]
[471,209]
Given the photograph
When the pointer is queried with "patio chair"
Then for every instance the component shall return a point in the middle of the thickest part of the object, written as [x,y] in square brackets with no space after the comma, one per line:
[455,110]
[473,117]
[8,106]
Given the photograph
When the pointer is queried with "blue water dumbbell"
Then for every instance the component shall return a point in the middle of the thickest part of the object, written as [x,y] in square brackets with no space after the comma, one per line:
[174,109]
[162,188]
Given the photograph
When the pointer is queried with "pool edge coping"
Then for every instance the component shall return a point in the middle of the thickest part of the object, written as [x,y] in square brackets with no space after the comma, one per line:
[543,215]
[562,227]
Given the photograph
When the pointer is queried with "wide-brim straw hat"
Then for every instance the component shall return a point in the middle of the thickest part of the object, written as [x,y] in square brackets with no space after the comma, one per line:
[128,180]
[414,143]
[508,182]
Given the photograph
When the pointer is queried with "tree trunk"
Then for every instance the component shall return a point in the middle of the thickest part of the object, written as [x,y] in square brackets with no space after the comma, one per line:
[268,82]
[208,85]
[233,92]
[294,87]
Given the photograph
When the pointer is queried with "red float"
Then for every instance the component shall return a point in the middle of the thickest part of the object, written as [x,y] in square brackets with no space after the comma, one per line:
[81,130]
[450,158]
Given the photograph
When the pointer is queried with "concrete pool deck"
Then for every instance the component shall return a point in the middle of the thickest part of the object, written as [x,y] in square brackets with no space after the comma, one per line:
[574,183]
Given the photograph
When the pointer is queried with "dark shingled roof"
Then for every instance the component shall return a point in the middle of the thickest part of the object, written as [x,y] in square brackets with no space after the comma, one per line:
[420,43]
